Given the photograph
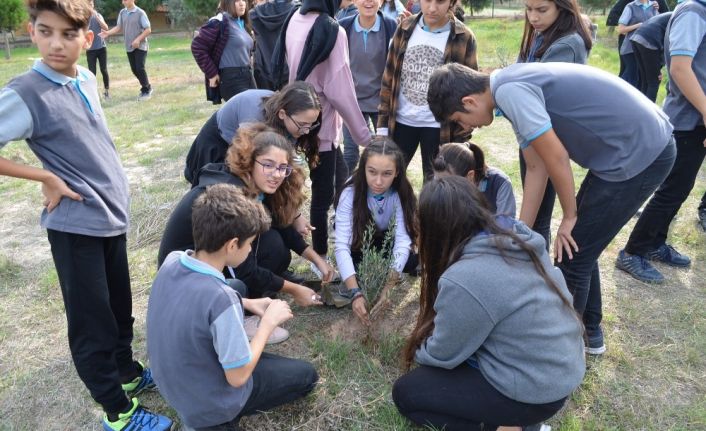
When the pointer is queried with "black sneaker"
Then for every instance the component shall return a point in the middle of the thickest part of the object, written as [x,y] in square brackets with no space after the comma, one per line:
[595,344]
[667,254]
[702,219]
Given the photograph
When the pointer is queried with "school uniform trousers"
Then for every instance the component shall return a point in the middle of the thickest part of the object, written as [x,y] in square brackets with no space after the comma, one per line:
[95,285]
[652,228]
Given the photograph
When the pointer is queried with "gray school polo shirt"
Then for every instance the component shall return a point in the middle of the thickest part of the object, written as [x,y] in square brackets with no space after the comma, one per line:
[368,55]
[686,35]
[63,123]
[604,123]
[95,27]
[195,332]
[238,47]
[133,22]
[635,12]
[243,108]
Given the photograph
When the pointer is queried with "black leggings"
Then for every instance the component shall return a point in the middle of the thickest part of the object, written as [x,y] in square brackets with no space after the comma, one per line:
[408,138]
[649,63]
[462,399]
[101,55]
[327,178]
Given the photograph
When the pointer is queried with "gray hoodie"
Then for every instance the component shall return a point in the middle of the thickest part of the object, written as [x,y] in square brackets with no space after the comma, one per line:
[499,313]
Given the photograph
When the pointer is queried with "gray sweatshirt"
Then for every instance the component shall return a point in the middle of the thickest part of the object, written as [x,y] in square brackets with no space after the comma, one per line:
[500,312]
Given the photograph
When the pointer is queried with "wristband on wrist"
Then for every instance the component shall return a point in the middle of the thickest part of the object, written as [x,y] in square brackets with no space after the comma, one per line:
[298,215]
[355,293]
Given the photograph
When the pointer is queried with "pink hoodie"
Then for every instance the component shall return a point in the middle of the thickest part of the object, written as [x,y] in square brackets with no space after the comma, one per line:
[333,82]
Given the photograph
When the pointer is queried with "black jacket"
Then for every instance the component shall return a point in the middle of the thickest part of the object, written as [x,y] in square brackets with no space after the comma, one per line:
[267,20]
[178,232]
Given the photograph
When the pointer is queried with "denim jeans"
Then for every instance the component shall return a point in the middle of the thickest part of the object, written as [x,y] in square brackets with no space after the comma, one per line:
[604,207]
[630,73]
[652,228]
[351,151]
[276,381]
[327,178]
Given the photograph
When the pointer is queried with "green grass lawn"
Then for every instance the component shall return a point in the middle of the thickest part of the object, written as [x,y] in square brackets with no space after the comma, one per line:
[653,376]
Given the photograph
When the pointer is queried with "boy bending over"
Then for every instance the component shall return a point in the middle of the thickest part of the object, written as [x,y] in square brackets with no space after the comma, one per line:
[610,128]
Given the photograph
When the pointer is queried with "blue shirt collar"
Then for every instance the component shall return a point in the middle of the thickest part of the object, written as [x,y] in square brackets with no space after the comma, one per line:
[445,28]
[358,28]
[61,79]
[188,261]
[56,77]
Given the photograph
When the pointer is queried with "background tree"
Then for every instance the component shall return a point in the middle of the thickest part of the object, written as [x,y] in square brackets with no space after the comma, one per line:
[12,14]
[180,15]
[203,9]
[475,6]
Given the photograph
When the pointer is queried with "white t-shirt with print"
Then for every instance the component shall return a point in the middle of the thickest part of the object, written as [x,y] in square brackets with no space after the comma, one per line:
[425,52]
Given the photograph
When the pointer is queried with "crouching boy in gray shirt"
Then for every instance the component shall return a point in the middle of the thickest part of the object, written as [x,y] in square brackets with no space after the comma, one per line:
[201,358]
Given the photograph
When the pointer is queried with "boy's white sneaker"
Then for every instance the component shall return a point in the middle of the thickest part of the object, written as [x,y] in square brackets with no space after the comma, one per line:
[253,322]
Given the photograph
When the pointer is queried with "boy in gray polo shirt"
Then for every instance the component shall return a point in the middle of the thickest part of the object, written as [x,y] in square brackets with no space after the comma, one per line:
[201,358]
[685,49]
[56,109]
[135,25]
[554,125]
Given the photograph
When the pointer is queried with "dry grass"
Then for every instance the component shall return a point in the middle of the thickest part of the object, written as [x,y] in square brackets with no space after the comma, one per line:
[652,377]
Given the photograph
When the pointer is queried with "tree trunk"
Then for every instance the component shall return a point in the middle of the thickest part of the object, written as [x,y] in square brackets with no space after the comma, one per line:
[7,45]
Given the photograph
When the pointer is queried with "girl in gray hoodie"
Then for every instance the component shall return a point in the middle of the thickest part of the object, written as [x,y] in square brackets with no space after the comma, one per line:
[497,340]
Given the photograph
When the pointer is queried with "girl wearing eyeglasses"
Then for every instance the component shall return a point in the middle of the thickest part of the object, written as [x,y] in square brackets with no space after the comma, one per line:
[261,162]
[294,112]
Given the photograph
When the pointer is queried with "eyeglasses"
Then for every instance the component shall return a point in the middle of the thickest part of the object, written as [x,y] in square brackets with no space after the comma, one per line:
[269,169]
[304,128]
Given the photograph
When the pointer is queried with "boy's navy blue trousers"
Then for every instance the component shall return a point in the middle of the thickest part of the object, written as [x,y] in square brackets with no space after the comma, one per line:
[651,230]
[95,284]
[276,381]
[604,207]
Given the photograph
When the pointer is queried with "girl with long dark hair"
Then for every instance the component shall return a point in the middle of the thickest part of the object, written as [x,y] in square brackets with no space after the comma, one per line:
[378,192]
[554,31]
[497,340]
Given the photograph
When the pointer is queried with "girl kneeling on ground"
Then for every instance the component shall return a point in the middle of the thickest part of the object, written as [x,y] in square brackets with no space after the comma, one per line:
[379,192]
[261,162]
[497,340]
[467,160]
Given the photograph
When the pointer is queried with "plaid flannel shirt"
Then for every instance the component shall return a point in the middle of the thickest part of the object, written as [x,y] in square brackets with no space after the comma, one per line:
[460,48]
